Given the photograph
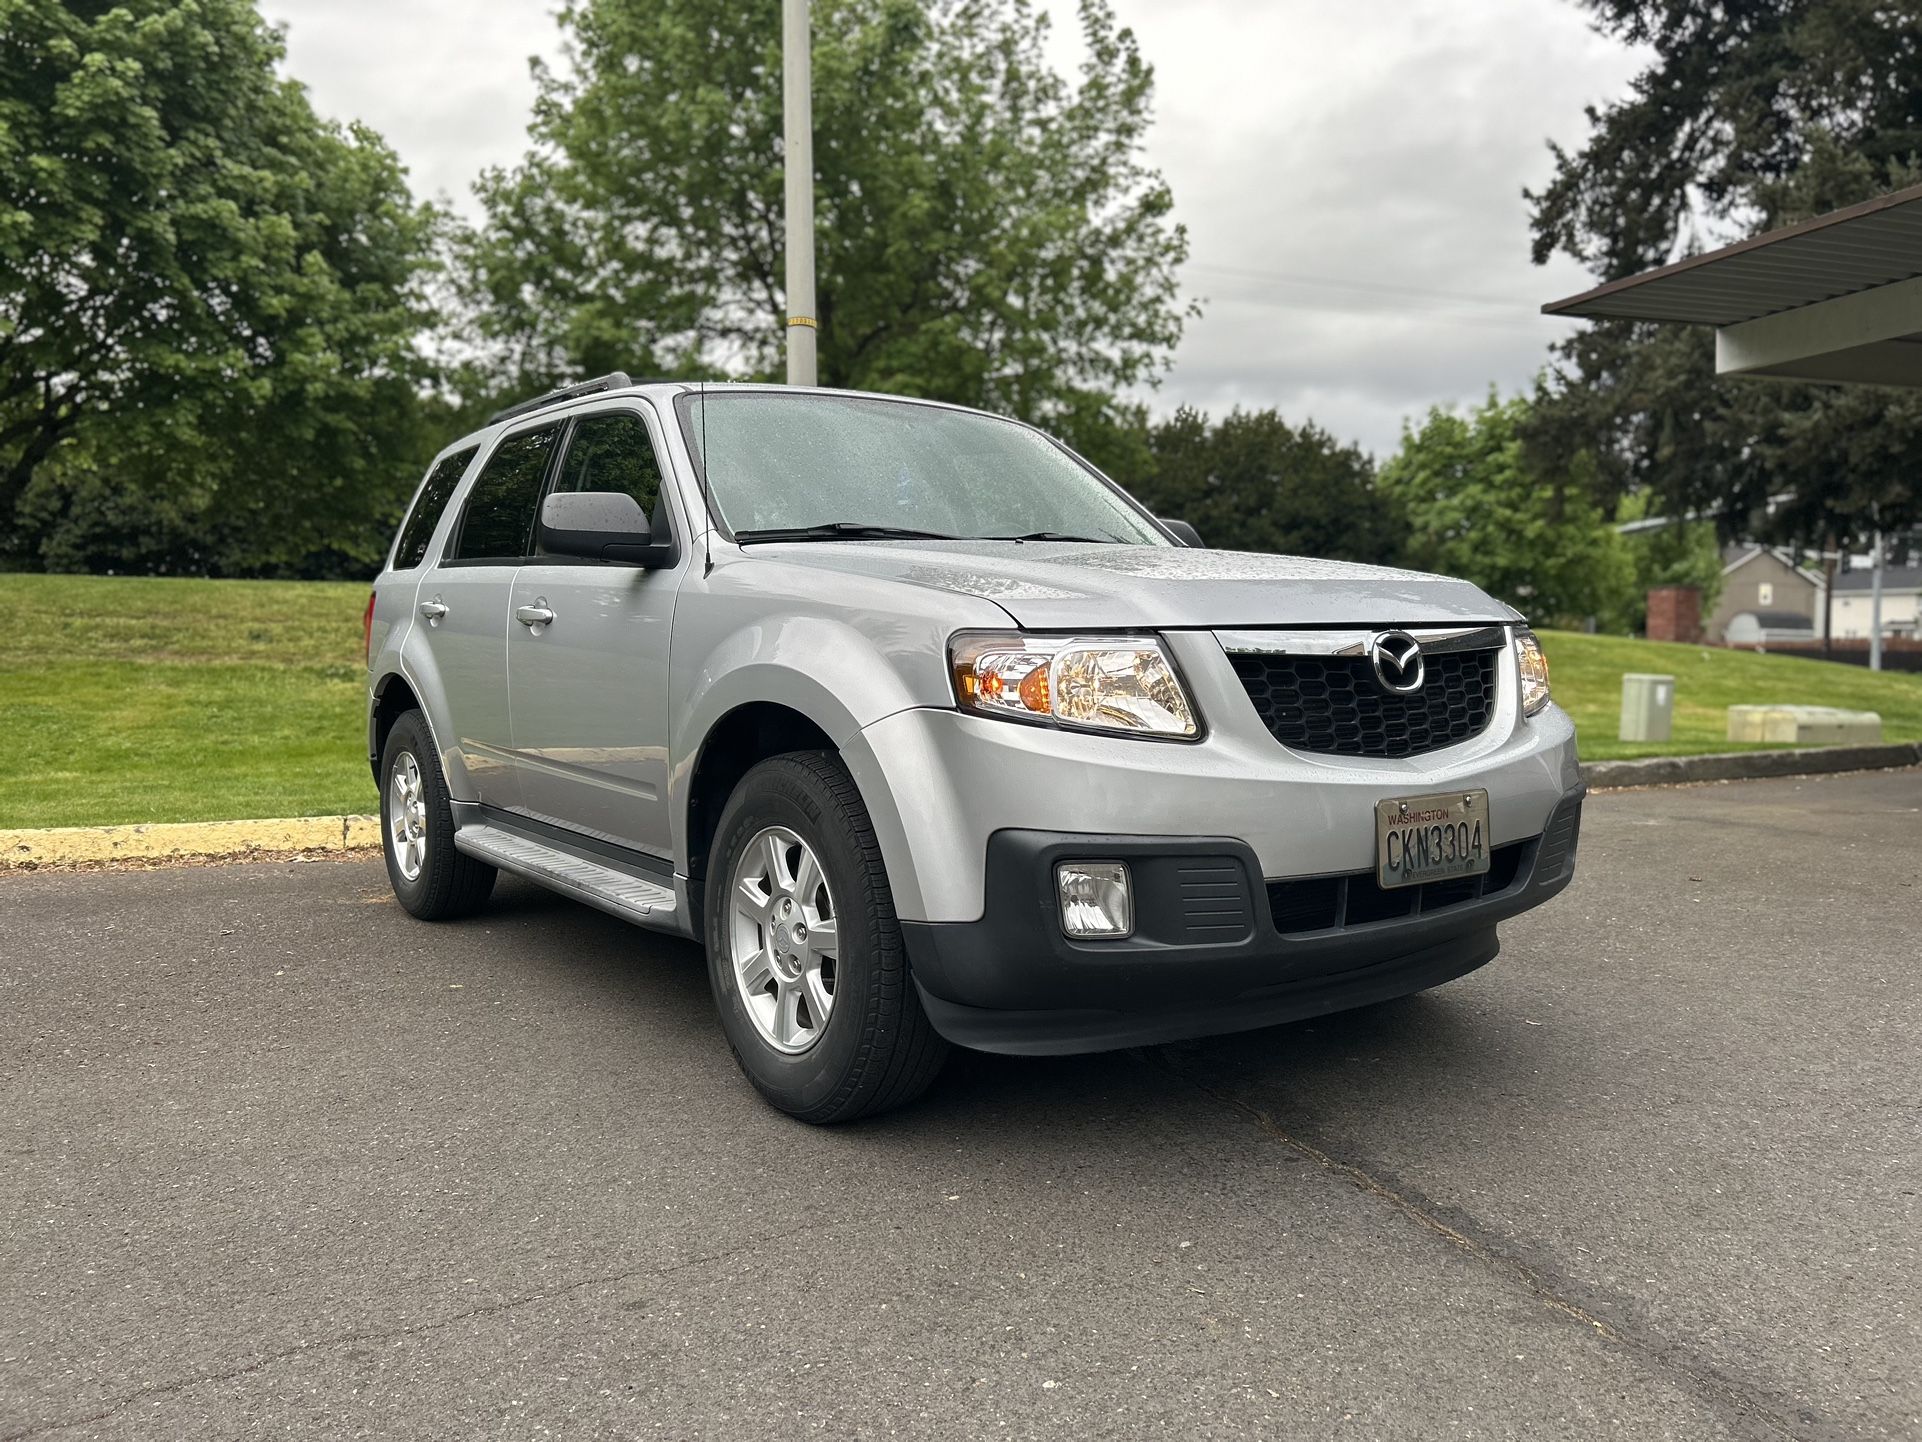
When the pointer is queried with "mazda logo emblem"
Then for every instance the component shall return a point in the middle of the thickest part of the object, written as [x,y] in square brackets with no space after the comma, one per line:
[1398,663]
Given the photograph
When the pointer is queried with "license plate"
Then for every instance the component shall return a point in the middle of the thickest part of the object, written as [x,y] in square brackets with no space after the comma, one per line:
[1431,838]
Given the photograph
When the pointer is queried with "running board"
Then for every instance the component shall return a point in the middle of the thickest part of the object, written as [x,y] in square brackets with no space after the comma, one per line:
[613,890]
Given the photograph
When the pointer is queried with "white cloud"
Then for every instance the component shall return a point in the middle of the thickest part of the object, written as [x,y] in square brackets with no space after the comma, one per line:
[445,81]
[1351,178]
[1350,175]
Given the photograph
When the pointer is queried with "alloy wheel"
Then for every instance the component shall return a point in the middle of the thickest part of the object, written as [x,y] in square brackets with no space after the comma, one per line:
[784,939]
[407,816]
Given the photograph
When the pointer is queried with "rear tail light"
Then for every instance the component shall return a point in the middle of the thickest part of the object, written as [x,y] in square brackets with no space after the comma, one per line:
[367,631]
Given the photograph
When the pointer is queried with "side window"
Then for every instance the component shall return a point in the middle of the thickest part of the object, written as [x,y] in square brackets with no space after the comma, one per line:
[498,523]
[612,452]
[418,529]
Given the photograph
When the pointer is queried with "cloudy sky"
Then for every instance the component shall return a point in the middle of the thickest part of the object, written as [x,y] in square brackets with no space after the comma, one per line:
[1350,174]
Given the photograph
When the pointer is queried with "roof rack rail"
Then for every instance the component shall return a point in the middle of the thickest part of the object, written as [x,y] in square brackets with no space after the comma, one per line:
[612,381]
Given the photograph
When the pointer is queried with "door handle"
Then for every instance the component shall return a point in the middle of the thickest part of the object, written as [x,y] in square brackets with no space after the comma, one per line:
[432,610]
[533,615]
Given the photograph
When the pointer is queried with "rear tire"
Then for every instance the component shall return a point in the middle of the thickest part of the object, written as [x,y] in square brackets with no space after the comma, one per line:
[430,878]
[804,951]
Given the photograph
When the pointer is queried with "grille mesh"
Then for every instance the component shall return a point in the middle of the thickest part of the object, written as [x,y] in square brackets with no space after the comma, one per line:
[1316,903]
[1332,704]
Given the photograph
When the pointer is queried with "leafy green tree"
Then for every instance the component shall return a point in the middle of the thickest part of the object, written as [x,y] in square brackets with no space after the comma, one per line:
[987,231]
[1255,483]
[1686,553]
[210,300]
[1476,508]
[1751,114]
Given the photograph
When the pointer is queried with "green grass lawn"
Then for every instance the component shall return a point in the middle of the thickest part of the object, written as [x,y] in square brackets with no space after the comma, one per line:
[130,700]
[134,699]
[1586,672]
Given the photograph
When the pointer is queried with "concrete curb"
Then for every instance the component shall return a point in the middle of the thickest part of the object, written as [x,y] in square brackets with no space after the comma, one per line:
[1748,765]
[80,845]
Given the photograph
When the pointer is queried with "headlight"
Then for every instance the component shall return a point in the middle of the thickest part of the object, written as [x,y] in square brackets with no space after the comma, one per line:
[1534,666]
[1092,683]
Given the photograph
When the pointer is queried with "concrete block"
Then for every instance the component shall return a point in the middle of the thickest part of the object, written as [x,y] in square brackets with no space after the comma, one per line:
[1804,725]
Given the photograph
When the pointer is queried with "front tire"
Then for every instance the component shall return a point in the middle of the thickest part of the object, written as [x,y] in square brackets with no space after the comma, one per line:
[804,952]
[430,878]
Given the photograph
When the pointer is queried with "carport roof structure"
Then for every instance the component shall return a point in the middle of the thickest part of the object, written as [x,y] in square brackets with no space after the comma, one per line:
[1837,298]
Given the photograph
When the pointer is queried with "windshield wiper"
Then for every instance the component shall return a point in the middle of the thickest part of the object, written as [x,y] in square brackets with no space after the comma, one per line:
[841,531]
[1058,536]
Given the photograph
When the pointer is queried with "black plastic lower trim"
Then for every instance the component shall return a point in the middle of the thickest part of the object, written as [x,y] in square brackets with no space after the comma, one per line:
[1206,955]
[1064,1032]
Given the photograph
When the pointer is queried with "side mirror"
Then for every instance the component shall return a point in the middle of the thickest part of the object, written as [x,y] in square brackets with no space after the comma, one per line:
[603,526]
[1185,533]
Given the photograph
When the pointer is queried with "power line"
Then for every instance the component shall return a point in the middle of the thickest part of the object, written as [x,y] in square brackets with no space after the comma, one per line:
[1531,323]
[1370,297]
[1362,287]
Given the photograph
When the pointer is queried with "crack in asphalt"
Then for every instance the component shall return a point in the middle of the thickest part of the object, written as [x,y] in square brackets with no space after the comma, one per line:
[1749,1406]
[120,1404]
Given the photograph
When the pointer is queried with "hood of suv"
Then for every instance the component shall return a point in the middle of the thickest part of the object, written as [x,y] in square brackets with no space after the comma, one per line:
[1049,585]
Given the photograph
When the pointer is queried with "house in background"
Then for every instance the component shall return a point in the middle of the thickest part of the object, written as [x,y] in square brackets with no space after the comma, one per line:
[1767,596]
[1835,299]
[1901,603]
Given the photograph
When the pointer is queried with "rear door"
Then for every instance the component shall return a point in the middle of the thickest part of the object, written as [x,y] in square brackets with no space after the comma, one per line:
[589,687]
[396,587]
[465,606]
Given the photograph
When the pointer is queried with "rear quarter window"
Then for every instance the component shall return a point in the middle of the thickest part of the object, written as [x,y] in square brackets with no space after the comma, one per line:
[418,529]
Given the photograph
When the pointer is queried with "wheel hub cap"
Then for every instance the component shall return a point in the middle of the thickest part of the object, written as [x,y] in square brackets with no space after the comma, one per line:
[783,939]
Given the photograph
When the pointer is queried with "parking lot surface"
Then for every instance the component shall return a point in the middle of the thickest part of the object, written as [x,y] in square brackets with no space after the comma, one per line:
[280,1161]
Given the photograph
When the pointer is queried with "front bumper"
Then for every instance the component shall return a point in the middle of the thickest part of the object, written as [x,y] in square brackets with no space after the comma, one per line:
[939,783]
[1216,948]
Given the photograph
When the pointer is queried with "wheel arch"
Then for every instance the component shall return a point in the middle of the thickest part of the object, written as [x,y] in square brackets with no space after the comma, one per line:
[392,697]
[738,741]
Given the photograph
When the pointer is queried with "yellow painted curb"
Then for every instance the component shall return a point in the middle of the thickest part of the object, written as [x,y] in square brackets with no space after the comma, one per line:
[68,845]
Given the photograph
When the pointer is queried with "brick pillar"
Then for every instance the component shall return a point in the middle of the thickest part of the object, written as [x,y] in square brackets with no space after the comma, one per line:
[1674,614]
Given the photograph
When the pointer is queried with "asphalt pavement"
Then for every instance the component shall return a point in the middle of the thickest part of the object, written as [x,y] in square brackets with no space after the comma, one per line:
[278,1161]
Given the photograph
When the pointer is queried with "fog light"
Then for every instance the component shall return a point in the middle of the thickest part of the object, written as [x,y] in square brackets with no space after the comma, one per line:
[1094,897]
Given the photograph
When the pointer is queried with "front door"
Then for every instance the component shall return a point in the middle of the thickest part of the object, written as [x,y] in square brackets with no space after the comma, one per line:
[589,685]
[465,608]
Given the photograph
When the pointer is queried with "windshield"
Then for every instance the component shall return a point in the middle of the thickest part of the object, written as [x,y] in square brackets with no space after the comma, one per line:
[783,462]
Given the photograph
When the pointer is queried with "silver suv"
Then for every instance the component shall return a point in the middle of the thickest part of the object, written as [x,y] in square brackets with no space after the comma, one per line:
[930,734]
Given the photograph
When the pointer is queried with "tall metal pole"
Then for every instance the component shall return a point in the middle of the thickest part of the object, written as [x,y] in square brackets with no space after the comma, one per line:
[1831,567]
[1875,607]
[797,94]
